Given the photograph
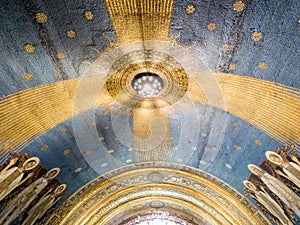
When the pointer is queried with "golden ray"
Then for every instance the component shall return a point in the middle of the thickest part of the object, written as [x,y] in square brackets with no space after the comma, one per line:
[272,107]
[151,133]
[29,113]
[139,20]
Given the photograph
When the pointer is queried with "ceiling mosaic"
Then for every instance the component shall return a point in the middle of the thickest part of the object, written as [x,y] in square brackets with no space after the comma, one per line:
[230,73]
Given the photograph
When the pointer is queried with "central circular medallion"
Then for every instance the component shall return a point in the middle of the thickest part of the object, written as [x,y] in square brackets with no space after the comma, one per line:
[147,84]
[131,79]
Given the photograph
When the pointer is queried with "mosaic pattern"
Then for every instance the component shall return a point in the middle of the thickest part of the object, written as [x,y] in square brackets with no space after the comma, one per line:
[254,40]
[99,199]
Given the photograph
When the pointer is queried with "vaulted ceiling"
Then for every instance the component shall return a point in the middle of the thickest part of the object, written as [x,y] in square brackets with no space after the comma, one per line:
[236,64]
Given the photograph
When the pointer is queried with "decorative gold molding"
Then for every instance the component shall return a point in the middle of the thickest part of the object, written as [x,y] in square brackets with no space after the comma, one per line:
[99,200]
[146,205]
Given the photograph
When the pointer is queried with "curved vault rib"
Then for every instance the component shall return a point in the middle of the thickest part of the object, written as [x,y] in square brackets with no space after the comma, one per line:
[271,107]
[127,212]
[106,195]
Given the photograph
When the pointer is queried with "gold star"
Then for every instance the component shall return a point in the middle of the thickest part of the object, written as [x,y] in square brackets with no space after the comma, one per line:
[80,135]
[190,9]
[228,166]
[225,47]
[78,170]
[256,36]
[64,129]
[57,75]
[239,6]
[71,34]
[215,148]
[44,147]
[41,17]
[61,55]
[89,15]
[88,152]
[237,147]
[103,165]
[258,142]
[232,67]
[263,66]
[211,26]
[67,152]
[27,76]
[203,134]
[235,124]
[29,48]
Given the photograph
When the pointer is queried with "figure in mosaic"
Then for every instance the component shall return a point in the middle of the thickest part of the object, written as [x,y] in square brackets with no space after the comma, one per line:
[266,200]
[284,193]
[10,163]
[295,159]
[13,177]
[43,205]
[19,203]
[291,169]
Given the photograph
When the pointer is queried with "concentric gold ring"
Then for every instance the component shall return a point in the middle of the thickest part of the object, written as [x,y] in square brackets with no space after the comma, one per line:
[124,70]
[108,197]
